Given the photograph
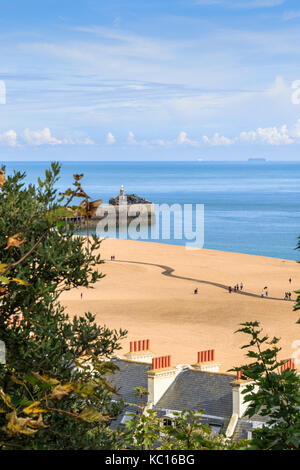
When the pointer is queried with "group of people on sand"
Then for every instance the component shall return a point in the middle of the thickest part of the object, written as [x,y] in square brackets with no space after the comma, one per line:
[265,292]
[236,288]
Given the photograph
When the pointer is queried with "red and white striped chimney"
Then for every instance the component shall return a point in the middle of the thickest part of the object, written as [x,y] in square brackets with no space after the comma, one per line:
[162,362]
[206,356]
[141,345]
[206,361]
[140,351]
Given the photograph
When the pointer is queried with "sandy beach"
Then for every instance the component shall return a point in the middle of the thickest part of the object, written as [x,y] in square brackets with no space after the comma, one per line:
[136,296]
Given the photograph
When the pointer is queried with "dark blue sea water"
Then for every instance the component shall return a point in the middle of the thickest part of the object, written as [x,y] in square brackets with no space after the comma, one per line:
[250,207]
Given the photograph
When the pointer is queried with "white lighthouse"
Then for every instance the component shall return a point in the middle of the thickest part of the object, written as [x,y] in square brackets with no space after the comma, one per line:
[122,197]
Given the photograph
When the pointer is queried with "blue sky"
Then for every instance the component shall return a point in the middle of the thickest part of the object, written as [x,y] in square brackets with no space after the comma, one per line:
[150,80]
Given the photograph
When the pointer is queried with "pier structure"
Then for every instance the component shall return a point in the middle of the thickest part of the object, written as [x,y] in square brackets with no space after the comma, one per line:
[124,208]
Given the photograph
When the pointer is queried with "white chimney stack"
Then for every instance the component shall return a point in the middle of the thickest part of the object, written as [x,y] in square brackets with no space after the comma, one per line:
[160,378]
[206,362]
[140,351]
[239,404]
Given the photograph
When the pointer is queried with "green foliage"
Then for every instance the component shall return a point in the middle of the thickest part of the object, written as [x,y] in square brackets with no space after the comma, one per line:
[271,392]
[145,430]
[54,393]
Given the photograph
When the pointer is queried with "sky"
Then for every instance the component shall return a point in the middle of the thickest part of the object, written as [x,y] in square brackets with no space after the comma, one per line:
[149,80]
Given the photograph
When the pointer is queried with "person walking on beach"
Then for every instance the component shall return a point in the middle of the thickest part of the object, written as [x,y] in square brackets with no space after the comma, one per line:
[262,293]
[267,293]
[290,295]
[241,286]
[229,289]
[290,280]
[196,291]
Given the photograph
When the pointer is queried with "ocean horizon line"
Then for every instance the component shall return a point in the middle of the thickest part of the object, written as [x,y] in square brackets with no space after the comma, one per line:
[152,161]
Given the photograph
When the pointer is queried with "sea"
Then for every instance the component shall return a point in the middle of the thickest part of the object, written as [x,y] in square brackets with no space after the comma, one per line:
[249,207]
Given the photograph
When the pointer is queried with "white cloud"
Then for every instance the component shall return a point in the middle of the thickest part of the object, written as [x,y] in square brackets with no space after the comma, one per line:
[261,136]
[37,138]
[44,137]
[217,140]
[268,135]
[131,139]
[183,139]
[41,137]
[162,143]
[273,136]
[85,141]
[9,138]
[110,139]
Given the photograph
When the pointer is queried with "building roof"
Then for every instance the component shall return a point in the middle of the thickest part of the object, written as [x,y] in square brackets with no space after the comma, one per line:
[194,390]
[245,424]
[191,390]
[129,376]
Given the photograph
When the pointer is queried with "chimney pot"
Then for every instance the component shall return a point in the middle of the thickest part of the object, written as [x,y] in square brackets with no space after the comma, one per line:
[239,375]
[162,362]
[290,364]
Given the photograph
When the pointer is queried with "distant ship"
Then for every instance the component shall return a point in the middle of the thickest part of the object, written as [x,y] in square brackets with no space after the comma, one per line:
[257,159]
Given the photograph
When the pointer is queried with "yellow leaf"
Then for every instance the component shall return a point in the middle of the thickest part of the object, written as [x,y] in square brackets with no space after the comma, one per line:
[20,281]
[4,280]
[6,398]
[34,409]
[2,178]
[90,208]
[93,415]
[45,378]
[61,391]
[37,423]
[19,425]
[15,241]
[16,380]
[2,267]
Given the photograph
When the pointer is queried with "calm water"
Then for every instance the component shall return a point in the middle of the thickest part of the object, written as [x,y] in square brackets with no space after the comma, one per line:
[249,207]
